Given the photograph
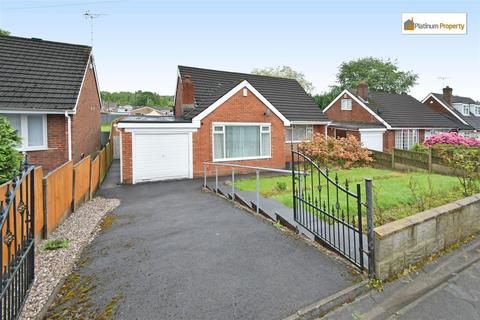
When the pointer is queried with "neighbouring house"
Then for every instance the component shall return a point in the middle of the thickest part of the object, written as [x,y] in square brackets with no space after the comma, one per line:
[49,92]
[464,109]
[125,108]
[219,117]
[384,121]
[149,111]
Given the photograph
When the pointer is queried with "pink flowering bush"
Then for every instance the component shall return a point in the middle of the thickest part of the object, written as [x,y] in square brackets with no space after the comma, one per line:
[451,138]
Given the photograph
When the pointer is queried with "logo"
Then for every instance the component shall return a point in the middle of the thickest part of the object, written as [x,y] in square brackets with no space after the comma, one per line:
[434,23]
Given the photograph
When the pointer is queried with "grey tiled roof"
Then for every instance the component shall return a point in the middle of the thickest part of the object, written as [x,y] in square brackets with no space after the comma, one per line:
[284,94]
[38,74]
[404,111]
[471,119]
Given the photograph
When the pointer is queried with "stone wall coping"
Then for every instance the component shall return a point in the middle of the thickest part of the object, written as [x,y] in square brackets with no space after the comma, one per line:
[388,229]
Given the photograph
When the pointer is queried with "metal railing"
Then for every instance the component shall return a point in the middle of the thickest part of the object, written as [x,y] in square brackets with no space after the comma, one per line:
[233,166]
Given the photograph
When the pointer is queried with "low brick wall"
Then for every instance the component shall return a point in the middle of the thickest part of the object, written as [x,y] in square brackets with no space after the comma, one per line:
[407,241]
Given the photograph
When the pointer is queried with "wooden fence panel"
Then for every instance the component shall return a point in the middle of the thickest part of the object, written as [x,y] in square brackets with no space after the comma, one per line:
[103,164]
[39,222]
[412,158]
[382,159]
[81,181]
[59,194]
[95,175]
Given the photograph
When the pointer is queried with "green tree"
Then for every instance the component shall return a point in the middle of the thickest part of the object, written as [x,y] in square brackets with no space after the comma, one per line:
[286,72]
[9,156]
[380,75]
[137,98]
[4,32]
[323,99]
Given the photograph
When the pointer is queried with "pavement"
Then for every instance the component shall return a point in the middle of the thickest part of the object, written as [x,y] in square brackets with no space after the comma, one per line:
[174,251]
[448,288]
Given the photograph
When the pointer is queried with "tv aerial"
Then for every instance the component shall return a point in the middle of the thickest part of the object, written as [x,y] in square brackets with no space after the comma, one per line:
[92,16]
[443,78]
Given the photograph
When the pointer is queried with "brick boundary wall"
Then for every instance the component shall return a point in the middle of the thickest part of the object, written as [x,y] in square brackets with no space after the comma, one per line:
[404,242]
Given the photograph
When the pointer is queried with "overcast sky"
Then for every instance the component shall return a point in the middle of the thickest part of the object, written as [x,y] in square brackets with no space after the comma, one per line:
[138,44]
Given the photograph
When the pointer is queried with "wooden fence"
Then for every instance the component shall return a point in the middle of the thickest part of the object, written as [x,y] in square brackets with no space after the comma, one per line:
[61,191]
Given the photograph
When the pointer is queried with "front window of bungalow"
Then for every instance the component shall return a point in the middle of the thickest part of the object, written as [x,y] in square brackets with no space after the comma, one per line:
[405,139]
[298,133]
[32,128]
[241,141]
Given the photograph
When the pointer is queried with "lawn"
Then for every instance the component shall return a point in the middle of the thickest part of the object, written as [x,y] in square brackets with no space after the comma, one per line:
[105,127]
[396,194]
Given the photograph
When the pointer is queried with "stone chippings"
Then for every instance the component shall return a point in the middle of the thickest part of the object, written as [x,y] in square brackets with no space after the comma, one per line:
[52,266]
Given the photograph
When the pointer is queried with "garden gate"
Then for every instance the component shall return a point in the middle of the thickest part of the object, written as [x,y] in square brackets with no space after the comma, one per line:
[17,243]
[332,212]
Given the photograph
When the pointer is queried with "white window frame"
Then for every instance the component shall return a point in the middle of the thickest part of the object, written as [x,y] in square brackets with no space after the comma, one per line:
[413,137]
[24,133]
[288,137]
[466,107]
[476,109]
[241,124]
[346,106]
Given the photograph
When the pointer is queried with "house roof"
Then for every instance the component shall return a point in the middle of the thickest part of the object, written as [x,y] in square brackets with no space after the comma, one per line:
[286,95]
[471,119]
[404,111]
[42,75]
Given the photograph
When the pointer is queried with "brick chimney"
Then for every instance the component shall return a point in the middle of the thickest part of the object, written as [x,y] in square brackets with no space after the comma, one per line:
[362,90]
[185,97]
[447,94]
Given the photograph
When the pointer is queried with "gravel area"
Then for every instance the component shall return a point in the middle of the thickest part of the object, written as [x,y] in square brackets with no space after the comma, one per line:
[51,266]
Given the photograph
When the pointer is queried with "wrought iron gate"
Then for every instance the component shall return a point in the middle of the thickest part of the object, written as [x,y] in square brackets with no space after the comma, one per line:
[17,242]
[328,209]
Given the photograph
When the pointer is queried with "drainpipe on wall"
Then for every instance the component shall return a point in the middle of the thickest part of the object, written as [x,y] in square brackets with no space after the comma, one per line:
[69,132]
[326,130]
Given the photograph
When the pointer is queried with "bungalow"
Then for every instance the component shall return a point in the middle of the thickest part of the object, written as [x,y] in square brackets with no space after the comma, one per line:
[49,92]
[383,121]
[219,116]
[464,109]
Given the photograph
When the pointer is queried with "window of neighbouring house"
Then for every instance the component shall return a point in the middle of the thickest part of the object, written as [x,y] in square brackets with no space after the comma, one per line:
[434,132]
[346,104]
[298,133]
[477,110]
[32,128]
[405,139]
[466,110]
[241,141]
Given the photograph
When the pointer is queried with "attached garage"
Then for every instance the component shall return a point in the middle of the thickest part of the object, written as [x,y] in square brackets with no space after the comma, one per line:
[155,151]
[372,138]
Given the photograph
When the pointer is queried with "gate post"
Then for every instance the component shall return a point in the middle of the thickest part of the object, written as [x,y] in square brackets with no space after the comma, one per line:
[370,235]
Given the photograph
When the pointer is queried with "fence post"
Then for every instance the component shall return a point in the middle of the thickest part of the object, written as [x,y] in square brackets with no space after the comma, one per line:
[430,160]
[393,158]
[370,235]
[216,179]
[45,208]
[204,175]
[257,174]
[73,189]
[233,184]
[90,193]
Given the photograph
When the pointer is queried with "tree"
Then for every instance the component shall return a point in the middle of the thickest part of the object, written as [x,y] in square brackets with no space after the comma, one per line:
[286,72]
[380,75]
[324,99]
[9,156]
[4,32]
[138,98]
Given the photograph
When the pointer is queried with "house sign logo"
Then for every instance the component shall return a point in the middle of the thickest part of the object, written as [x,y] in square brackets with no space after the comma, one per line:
[434,23]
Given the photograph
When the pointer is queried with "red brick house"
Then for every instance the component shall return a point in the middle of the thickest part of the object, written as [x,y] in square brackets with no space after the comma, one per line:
[464,109]
[383,121]
[219,117]
[49,92]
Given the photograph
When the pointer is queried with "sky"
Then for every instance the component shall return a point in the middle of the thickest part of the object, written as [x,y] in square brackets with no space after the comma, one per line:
[138,44]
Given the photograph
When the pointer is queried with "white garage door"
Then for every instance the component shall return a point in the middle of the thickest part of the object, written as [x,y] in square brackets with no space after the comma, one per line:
[160,156]
[372,140]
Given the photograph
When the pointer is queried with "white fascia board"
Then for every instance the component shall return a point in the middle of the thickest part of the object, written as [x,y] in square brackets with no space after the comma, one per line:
[229,94]
[361,103]
[37,111]
[162,125]
[446,107]
[310,122]
[372,130]
[96,80]
[423,128]
[81,85]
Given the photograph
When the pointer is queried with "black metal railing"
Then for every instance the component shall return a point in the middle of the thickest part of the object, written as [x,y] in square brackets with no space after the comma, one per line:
[17,242]
[329,209]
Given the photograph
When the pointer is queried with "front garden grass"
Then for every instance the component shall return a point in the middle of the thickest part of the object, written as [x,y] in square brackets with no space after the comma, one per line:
[396,194]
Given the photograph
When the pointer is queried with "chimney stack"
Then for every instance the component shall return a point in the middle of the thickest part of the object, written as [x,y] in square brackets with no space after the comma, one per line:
[447,94]
[362,90]
[185,96]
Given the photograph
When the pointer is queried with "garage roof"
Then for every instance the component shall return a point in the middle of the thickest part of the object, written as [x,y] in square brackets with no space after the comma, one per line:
[286,95]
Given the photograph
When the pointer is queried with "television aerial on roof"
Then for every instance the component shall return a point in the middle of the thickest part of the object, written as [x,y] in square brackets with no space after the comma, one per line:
[92,17]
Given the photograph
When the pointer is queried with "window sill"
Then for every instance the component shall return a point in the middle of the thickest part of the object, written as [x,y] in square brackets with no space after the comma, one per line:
[242,159]
[43,148]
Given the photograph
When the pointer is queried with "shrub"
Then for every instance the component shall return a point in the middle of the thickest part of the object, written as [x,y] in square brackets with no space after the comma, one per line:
[9,157]
[341,153]
[281,186]
[451,138]
[419,148]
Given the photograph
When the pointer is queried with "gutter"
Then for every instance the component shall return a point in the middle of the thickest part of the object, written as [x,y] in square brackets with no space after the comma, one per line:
[69,132]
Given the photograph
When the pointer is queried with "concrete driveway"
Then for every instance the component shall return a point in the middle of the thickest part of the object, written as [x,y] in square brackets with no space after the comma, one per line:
[174,251]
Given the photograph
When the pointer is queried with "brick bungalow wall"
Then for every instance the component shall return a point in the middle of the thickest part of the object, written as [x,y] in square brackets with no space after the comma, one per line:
[86,122]
[317,129]
[126,157]
[238,109]
[357,114]
[57,153]
[436,106]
